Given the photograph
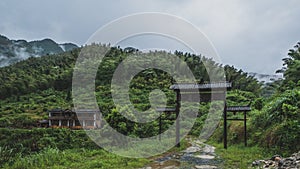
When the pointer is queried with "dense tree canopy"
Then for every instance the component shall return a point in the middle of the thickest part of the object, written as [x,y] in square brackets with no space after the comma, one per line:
[39,84]
[291,65]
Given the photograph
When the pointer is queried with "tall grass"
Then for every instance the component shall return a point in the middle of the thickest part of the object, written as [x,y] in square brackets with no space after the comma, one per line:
[6,155]
[238,156]
[73,158]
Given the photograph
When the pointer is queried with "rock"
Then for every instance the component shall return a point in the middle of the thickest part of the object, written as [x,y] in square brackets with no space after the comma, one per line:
[205,156]
[205,166]
[256,163]
[277,159]
[147,168]
[170,167]
[192,149]
[289,159]
[275,156]
[176,156]
[277,162]
[209,149]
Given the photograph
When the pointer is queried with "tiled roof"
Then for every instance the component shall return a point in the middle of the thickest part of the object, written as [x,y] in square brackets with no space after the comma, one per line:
[160,109]
[238,108]
[205,86]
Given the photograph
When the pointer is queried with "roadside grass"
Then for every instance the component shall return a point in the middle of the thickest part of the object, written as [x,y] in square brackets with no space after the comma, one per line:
[81,158]
[74,158]
[238,156]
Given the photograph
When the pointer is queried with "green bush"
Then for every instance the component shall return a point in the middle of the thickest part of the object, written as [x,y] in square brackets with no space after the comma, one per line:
[277,125]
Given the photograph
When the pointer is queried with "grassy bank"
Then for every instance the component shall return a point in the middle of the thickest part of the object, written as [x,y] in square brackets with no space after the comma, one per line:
[74,158]
[62,148]
[239,156]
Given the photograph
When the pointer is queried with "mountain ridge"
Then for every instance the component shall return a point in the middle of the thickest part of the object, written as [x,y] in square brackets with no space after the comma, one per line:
[266,78]
[13,51]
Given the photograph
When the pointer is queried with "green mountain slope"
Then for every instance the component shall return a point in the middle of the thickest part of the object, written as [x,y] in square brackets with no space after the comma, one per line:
[12,51]
[31,87]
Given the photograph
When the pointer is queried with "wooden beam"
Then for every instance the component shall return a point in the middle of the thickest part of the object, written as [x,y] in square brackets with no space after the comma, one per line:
[166,110]
[236,119]
[225,126]
[245,128]
[178,100]
[238,108]
[159,127]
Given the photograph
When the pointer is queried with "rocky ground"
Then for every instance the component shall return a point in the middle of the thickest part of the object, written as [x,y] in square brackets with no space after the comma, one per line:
[277,162]
[197,156]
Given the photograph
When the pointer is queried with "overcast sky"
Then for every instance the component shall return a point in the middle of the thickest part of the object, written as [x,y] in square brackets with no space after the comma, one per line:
[252,35]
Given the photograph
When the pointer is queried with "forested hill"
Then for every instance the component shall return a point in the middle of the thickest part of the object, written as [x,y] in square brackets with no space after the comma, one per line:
[12,51]
[31,87]
[55,71]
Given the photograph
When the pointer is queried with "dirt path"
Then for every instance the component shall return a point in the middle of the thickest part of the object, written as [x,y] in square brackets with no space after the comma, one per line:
[198,156]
